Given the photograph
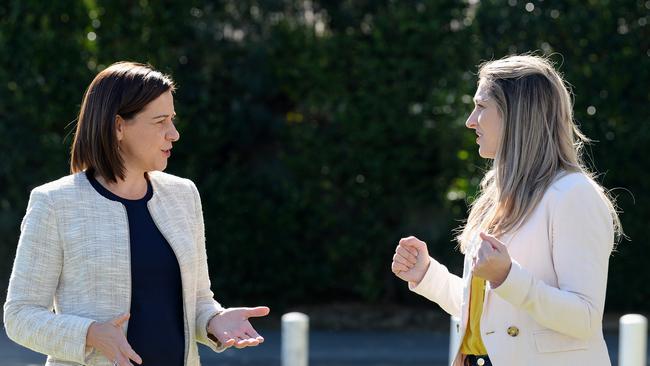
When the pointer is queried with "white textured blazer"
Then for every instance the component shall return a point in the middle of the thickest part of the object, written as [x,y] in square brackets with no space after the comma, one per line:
[73,257]
[549,309]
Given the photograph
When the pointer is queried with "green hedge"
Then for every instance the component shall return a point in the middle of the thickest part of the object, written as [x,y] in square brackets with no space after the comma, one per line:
[319,136]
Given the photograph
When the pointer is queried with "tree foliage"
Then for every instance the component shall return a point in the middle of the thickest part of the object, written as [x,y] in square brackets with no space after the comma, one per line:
[319,133]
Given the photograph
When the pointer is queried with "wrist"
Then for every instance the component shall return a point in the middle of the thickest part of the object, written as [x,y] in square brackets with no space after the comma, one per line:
[90,334]
[207,325]
[211,336]
[502,278]
[424,272]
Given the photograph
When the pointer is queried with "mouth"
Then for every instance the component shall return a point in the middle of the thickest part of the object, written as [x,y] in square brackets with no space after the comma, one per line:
[167,152]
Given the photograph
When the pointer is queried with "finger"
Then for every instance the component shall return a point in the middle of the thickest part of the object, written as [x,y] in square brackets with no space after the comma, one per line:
[401,260]
[130,353]
[256,312]
[251,341]
[490,250]
[122,360]
[410,249]
[120,319]
[402,251]
[253,334]
[394,269]
[244,342]
[408,238]
[412,242]
[227,341]
[398,267]
[494,242]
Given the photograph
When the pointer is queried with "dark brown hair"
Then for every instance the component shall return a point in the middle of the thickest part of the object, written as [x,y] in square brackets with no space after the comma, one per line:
[124,89]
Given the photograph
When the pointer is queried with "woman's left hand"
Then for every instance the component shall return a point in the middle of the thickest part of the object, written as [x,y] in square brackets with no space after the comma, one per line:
[492,261]
[232,328]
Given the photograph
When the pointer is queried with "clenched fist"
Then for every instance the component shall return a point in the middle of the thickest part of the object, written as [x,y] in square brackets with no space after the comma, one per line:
[492,261]
[411,260]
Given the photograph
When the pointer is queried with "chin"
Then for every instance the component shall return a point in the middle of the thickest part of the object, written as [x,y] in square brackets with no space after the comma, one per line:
[160,167]
[485,154]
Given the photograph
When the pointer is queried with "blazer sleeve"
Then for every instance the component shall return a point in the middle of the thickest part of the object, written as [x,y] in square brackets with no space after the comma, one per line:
[28,316]
[441,287]
[582,237]
[206,306]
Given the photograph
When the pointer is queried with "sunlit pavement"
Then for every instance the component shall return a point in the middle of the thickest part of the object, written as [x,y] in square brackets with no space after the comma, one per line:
[345,348]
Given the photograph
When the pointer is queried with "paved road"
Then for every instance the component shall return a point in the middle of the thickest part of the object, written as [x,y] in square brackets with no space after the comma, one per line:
[326,349]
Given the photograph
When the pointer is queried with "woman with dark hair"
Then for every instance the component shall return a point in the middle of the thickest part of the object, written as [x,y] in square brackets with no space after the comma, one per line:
[117,249]
[538,237]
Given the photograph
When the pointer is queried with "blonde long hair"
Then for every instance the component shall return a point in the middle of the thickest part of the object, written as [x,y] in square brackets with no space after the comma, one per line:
[539,141]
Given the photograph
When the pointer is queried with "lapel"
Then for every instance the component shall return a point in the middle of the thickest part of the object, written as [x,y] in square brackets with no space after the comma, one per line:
[174,229]
[467,281]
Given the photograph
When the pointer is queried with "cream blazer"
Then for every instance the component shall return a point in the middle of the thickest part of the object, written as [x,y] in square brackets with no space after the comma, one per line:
[73,257]
[549,309]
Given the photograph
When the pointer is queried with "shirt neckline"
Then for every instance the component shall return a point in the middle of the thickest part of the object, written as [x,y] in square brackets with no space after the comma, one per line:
[90,175]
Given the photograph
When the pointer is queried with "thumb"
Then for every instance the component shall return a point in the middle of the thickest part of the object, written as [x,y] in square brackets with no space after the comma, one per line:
[496,243]
[257,311]
[120,319]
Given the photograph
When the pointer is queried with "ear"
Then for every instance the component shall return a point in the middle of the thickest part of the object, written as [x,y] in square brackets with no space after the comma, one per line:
[119,127]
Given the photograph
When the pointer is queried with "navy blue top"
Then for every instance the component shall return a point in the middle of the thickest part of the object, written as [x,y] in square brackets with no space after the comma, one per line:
[155,329]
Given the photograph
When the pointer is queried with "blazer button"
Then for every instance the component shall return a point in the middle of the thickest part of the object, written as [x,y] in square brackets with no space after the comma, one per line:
[513,331]
[457,328]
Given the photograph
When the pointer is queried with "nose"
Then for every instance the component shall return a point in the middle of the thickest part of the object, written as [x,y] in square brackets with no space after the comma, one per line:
[172,134]
[471,121]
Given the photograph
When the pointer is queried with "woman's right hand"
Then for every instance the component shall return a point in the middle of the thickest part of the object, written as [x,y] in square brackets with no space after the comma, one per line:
[411,260]
[109,339]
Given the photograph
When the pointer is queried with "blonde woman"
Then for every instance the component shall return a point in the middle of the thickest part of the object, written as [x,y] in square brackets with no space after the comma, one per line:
[538,237]
[111,266]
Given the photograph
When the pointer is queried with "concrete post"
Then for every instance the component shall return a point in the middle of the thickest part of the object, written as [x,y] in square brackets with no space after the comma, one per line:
[632,340]
[295,339]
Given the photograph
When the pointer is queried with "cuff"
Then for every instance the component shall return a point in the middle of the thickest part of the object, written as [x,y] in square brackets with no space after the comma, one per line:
[202,334]
[88,351]
[434,271]
[81,352]
[515,287]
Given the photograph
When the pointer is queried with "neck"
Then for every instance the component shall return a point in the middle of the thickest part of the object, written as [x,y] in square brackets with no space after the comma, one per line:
[133,186]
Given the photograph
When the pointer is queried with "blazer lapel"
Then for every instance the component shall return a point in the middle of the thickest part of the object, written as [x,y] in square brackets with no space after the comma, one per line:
[174,231]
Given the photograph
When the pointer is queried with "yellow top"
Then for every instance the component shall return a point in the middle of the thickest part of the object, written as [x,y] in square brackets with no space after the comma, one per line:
[472,342]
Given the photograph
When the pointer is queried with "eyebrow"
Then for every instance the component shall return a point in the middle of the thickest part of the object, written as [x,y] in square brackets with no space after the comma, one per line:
[164,116]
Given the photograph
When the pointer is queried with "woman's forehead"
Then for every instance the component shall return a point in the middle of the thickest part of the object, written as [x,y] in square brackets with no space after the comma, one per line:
[482,92]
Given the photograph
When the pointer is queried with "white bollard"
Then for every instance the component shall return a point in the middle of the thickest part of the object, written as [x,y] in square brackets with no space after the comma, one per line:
[454,338]
[632,335]
[295,339]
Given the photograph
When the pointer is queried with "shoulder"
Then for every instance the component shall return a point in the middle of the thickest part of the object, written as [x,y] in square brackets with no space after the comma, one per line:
[61,188]
[577,193]
[166,183]
[572,184]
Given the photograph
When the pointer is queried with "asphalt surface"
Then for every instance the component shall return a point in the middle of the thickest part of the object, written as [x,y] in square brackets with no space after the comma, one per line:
[340,348]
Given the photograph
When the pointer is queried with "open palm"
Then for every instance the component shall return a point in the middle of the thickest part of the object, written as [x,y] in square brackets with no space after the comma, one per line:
[232,328]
